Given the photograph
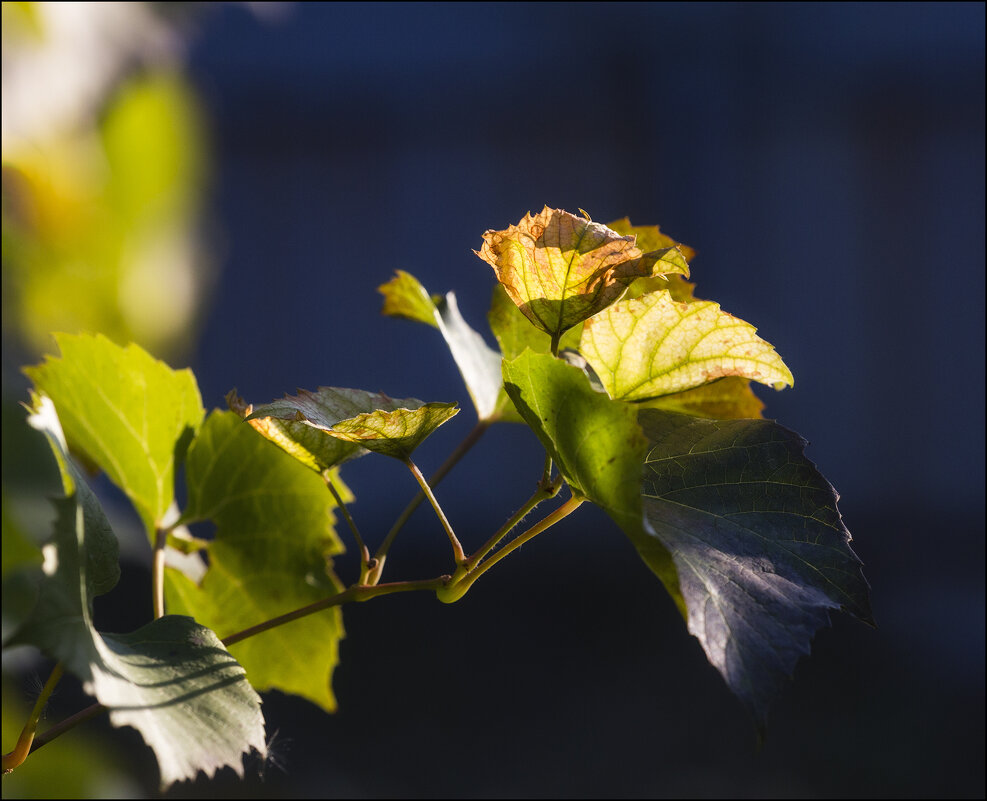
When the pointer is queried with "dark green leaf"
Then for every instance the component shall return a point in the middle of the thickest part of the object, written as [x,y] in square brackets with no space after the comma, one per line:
[758,544]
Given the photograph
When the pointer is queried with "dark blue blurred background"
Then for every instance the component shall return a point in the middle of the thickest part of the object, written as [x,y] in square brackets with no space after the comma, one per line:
[827,162]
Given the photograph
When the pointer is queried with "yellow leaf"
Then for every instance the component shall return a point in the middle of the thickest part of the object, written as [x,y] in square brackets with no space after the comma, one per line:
[561,269]
[652,346]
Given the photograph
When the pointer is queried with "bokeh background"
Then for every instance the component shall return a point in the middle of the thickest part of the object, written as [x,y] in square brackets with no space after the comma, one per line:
[228,185]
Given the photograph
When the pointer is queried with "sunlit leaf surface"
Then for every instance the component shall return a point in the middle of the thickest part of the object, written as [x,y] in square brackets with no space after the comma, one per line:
[394,433]
[271,554]
[561,269]
[126,412]
[651,346]
[404,296]
[298,423]
[595,441]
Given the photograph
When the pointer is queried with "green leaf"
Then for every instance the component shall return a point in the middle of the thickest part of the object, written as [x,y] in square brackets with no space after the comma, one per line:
[172,679]
[404,296]
[271,555]
[394,433]
[595,441]
[298,423]
[478,363]
[759,547]
[561,269]
[652,346]
[126,412]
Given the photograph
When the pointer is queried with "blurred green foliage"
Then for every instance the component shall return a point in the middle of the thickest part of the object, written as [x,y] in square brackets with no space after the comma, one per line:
[99,229]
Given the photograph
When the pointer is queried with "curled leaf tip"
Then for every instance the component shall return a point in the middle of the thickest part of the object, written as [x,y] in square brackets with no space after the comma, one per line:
[238,405]
[404,296]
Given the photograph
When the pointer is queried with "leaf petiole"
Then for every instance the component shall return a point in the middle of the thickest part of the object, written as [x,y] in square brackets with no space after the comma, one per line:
[546,490]
[454,590]
[157,571]
[356,592]
[457,548]
[365,560]
[453,459]
[26,740]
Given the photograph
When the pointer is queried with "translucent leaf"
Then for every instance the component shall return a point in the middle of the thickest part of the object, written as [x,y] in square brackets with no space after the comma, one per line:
[126,412]
[298,423]
[514,332]
[596,442]
[478,364]
[404,296]
[394,433]
[172,679]
[651,346]
[271,554]
[759,547]
[561,269]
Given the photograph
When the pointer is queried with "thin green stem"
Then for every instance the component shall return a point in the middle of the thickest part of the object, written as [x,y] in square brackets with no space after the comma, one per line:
[26,740]
[461,450]
[157,572]
[358,592]
[365,560]
[457,548]
[546,475]
[543,493]
[456,590]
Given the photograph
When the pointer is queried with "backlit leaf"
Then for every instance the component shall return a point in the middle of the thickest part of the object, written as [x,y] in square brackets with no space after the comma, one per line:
[596,442]
[394,433]
[298,423]
[405,297]
[651,346]
[514,332]
[759,547]
[561,269]
[126,412]
[172,679]
[271,554]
